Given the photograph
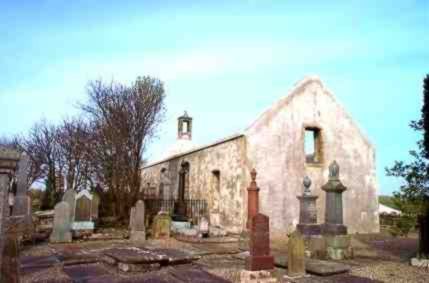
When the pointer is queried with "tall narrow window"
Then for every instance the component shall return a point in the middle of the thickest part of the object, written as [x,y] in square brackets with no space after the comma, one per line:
[313,145]
[216,180]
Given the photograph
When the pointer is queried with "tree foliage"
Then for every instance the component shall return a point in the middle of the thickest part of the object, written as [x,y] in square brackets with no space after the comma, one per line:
[413,194]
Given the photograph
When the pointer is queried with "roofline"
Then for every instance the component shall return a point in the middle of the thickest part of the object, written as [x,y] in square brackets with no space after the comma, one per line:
[195,149]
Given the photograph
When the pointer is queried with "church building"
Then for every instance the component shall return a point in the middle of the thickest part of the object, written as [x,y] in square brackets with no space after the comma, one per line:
[300,135]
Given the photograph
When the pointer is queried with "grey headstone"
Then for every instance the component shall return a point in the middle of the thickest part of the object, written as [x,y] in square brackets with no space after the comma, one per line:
[132,217]
[70,197]
[61,230]
[138,230]
[20,206]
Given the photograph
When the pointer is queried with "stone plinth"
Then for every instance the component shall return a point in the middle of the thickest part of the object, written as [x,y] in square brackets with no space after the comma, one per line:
[334,203]
[261,276]
[338,247]
[260,257]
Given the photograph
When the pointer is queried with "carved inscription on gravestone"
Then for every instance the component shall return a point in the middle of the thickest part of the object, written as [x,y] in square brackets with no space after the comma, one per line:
[260,236]
[83,209]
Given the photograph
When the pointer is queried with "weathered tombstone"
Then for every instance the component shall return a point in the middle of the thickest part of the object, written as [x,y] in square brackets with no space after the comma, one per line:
[61,231]
[203,227]
[161,226]
[20,207]
[259,258]
[83,223]
[295,250]
[334,203]
[8,162]
[338,243]
[138,230]
[308,212]
[70,197]
[132,217]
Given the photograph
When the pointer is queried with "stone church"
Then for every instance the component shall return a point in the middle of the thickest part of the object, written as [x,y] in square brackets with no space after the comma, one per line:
[300,135]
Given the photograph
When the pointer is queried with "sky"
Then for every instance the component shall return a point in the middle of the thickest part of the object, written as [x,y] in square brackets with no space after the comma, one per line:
[224,62]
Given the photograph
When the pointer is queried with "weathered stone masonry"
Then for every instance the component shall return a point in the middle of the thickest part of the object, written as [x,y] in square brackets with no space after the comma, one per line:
[275,146]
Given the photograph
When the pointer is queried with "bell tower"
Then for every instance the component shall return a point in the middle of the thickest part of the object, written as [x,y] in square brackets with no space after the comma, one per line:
[184,129]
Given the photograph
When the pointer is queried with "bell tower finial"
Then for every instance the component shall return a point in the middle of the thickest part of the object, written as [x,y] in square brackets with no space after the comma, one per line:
[184,129]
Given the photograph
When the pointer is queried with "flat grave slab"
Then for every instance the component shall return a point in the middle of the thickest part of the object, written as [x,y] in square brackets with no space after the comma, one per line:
[83,273]
[135,255]
[339,278]
[194,274]
[316,266]
[176,256]
[32,264]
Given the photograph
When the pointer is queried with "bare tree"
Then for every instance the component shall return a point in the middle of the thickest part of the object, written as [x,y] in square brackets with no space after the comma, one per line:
[123,119]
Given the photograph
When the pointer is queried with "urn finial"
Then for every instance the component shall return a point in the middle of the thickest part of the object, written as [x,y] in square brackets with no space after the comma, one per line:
[307,184]
[253,175]
[334,171]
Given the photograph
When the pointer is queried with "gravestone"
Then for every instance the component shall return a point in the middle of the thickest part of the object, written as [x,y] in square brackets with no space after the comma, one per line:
[334,203]
[61,231]
[138,230]
[20,206]
[161,226]
[8,162]
[295,250]
[308,212]
[259,244]
[83,223]
[132,217]
[70,197]
[203,227]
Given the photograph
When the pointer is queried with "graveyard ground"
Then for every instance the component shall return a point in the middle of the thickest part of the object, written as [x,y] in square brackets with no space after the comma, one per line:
[377,258]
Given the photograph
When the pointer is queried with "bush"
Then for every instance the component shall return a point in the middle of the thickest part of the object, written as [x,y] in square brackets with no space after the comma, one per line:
[402,226]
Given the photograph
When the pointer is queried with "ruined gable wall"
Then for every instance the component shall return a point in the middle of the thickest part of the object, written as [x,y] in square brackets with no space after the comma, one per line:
[225,204]
[276,149]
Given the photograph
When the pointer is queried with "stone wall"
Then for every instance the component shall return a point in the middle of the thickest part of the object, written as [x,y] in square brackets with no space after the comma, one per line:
[275,147]
[225,195]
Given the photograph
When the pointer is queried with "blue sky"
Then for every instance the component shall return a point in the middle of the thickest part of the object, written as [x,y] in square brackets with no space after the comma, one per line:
[223,62]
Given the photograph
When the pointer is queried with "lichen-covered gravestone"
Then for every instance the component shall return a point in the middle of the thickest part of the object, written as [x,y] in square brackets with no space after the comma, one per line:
[138,229]
[295,251]
[161,226]
[61,231]
[70,197]
[83,223]
[203,227]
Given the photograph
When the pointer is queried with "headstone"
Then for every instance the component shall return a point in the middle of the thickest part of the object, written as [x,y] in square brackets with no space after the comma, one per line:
[70,197]
[334,203]
[308,212]
[259,258]
[138,230]
[83,223]
[203,227]
[61,231]
[161,226]
[132,217]
[296,264]
[20,207]
[8,162]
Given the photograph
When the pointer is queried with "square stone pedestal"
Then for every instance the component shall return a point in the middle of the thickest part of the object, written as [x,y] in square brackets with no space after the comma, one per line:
[333,229]
[315,246]
[261,276]
[338,247]
[138,236]
[255,263]
[309,229]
